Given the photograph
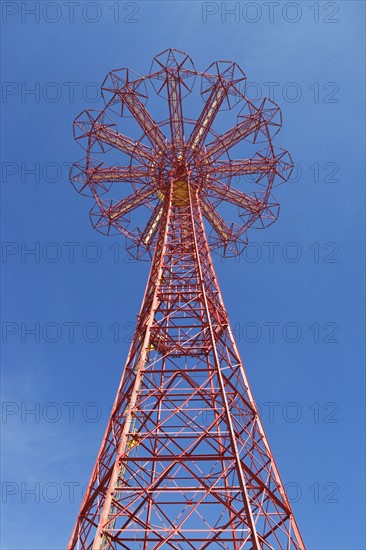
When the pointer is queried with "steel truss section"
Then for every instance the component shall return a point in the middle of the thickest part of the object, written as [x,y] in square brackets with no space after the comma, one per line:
[184,462]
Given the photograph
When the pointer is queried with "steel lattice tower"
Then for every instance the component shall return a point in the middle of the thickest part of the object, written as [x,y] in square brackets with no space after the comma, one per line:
[184,463]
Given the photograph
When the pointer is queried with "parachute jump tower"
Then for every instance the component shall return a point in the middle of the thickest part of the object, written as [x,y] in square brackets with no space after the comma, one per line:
[184,463]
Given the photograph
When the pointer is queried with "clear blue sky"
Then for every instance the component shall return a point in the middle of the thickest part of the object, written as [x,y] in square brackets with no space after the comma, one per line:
[312,370]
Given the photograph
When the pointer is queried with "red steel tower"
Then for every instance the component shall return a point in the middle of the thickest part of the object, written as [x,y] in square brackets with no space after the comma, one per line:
[184,463]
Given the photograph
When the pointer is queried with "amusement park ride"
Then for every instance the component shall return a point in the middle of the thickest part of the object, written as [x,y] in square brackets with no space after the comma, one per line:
[184,463]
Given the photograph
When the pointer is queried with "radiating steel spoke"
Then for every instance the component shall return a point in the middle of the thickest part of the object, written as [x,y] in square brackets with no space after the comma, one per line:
[131,202]
[126,145]
[233,136]
[232,195]
[216,221]
[173,84]
[119,174]
[242,167]
[156,137]
[152,225]
[208,114]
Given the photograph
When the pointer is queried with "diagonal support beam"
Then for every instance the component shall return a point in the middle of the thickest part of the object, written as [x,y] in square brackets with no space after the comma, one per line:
[227,168]
[234,196]
[173,84]
[118,174]
[126,145]
[212,106]
[215,220]
[237,133]
[152,225]
[129,203]
[131,99]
